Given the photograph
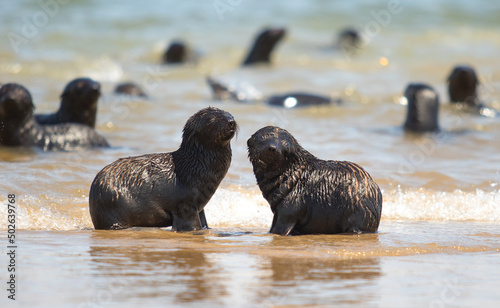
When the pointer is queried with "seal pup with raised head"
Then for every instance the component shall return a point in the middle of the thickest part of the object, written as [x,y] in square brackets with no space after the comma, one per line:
[263,46]
[422,108]
[308,195]
[166,189]
[78,104]
[18,126]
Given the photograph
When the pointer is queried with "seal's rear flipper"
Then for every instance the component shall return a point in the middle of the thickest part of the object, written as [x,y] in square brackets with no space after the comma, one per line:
[221,91]
[203,220]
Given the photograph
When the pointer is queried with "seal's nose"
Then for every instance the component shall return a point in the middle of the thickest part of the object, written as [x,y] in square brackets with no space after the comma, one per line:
[96,86]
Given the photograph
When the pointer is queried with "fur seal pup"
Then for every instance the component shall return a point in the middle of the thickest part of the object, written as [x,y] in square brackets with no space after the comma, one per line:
[263,46]
[166,189]
[78,104]
[308,195]
[130,88]
[225,93]
[18,126]
[422,108]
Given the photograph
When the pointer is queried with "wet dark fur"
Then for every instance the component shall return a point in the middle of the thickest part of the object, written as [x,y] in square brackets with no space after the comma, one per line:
[166,189]
[130,88]
[19,127]
[263,46]
[308,195]
[78,104]
[422,109]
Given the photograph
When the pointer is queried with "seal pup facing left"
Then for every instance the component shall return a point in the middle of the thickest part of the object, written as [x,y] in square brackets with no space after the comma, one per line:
[166,189]
[18,126]
[308,195]
[78,104]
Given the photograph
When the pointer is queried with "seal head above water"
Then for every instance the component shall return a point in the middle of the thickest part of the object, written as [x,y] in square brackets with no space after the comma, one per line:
[18,126]
[308,195]
[166,189]
[462,85]
[175,53]
[78,104]
[422,108]
[263,46]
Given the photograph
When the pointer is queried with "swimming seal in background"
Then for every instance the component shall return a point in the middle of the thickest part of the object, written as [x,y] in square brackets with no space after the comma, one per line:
[349,41]
[130,88]
[19,127]
[422,108]
[78,104]
[462,85]
[462,89]
[166,189]
[225,93]
[177,52]
[263,46]
[308,195]
[296,99]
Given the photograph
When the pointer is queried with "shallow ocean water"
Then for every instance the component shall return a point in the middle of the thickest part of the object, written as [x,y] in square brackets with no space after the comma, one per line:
[439,240]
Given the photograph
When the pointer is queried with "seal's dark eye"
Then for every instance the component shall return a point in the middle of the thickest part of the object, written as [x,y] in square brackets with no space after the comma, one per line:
[272,148]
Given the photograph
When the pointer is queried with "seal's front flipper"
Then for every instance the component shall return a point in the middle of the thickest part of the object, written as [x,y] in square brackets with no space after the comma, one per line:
[186,219]
[203,220]
[282,224]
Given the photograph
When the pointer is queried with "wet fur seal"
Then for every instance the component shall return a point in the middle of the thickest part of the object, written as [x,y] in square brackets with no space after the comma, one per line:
[177,52]
[349,41]
[308,195]
[422,108]
[78,104]
[19,127]
[166,189]
[463,91]
[224,93]
[263,46]
[130,88]
[297,99]
[462,85]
